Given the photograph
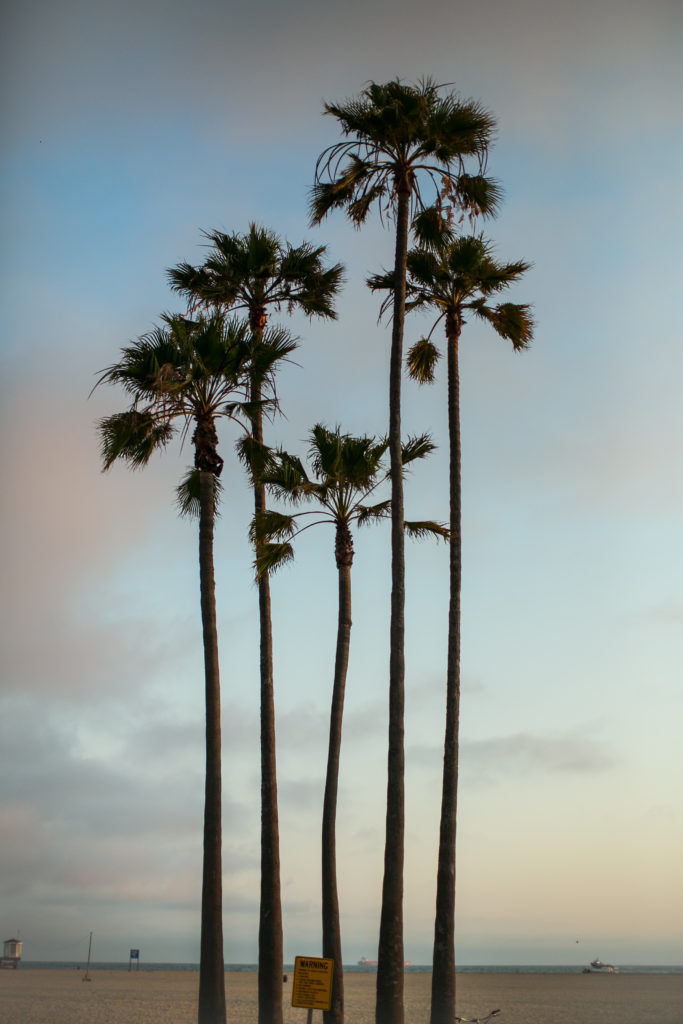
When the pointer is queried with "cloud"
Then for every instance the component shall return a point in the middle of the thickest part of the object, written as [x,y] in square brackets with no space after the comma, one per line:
[300,796]
[668,613]
[523,754]
[528,753]
[101,594]
[75,820]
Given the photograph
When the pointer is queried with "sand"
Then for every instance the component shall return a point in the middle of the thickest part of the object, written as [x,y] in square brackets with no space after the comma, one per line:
[30,996]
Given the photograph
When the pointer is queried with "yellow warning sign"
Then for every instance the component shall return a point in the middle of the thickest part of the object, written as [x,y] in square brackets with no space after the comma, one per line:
[312,988]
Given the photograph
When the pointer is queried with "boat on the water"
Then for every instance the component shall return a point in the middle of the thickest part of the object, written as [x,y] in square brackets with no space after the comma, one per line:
[597,967]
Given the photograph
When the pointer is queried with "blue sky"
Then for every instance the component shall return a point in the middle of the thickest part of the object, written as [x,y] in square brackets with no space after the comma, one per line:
[128,129]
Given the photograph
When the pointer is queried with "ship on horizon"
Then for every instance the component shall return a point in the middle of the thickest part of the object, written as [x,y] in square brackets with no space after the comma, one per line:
[364,962]
[597,967]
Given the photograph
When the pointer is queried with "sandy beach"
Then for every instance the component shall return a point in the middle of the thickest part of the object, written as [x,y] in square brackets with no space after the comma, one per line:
[29,996]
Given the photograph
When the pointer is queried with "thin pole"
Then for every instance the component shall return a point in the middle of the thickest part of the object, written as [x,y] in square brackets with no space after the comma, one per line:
[87,970]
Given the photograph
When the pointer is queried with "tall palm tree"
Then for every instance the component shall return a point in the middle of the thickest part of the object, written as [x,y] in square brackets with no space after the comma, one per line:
[256,271]
[346,472]
[401,138]
[455,277]
[193,373]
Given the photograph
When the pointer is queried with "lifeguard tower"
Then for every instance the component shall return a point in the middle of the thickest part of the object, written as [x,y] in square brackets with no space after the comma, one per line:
[11,954]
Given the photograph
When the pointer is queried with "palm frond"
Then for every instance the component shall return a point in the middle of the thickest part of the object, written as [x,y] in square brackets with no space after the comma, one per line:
[384,282]
[417,447]
[381,282]
[245,412]
[147,367]
[372,513]
[488,277]
[418,530]
[512,321]
[348,186]
[194,283]
[475,195]
[272,557]
[325,450]
[343,462]
[421,361]
[188,500]
[426,272]
[269,525]
[132,436]
[274,346]
[432,229]
[359,207]
[307,283]
[256,457]
[286,478]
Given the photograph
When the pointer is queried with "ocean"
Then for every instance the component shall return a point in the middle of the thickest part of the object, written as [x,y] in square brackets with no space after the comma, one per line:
[356,968]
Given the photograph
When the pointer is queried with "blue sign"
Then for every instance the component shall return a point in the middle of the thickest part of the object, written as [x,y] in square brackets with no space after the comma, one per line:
[135,954]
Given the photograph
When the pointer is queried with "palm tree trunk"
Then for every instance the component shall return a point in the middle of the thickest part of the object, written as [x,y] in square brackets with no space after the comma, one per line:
[211,966]
[443,965]
[390,969]
[270,963]
[332,946]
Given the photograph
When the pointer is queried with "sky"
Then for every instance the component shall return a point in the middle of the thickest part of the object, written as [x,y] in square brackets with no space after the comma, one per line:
[128,129]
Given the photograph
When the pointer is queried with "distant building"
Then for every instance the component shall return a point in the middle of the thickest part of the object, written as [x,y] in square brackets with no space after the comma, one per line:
[11,954]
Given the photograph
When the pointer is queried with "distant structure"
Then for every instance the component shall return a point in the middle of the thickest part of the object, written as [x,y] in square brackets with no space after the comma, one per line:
[11,954]
[597,967]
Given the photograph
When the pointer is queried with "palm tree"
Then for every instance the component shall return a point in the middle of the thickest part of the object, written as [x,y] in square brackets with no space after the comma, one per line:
[193,373]
[346,472]
[455,277]
[401,138]
[255,271]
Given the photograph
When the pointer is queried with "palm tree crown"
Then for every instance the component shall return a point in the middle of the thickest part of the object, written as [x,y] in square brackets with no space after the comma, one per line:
[347,470]
[400,135]
[453,275]
[188,371]
[256,270]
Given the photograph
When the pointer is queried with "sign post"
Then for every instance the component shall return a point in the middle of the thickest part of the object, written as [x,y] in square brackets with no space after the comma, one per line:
[312,987]
[134,955]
